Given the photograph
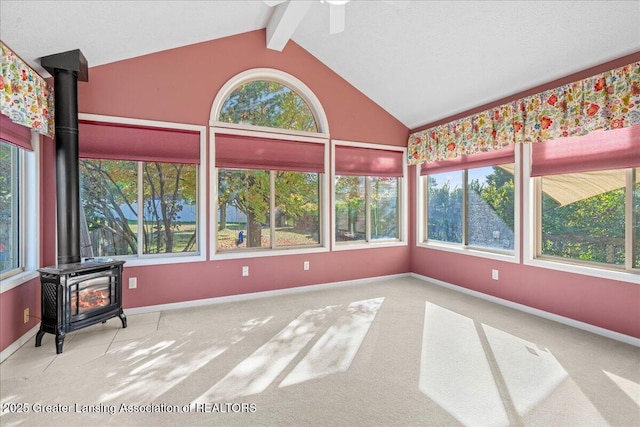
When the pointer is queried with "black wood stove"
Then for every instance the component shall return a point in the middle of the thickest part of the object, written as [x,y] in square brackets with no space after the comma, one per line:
[78,295]
[75,294]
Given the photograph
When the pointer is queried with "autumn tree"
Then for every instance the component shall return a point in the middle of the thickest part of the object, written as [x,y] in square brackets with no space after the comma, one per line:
[268,104]
[109,198]
[6,206]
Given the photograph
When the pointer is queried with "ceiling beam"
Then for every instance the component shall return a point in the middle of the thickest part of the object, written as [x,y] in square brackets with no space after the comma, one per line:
[284,21]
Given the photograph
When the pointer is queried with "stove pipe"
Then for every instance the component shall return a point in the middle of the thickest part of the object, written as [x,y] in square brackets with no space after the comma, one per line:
[67,68]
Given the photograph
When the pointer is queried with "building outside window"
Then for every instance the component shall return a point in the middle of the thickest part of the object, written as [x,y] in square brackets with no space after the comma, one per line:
[474,206]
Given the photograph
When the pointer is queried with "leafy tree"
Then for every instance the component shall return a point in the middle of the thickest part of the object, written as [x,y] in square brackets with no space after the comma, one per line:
[250,192]
[499,193]
[591,229]
[109,198]
[109,190]
[384,207]
[167,188]
[269,104]
[445,212]
[350,199]
[6,206]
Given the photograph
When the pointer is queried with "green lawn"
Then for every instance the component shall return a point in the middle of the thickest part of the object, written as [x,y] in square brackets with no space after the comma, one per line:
[285,236]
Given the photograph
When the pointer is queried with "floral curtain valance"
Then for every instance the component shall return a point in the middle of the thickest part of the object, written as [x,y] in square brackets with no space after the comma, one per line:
[26,99]
[606,101]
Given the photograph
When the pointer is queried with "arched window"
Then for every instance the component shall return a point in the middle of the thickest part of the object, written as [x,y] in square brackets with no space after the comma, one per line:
[270,147]
[270,99]
[270,104]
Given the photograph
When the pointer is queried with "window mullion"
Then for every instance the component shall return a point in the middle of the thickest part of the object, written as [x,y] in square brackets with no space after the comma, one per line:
[629,219]
[425,195]
[367,208]
[465,205]
[272,208]
[140,209]
[20,211]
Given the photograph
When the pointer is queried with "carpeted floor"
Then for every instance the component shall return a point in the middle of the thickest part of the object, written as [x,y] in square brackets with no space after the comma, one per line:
[390,353]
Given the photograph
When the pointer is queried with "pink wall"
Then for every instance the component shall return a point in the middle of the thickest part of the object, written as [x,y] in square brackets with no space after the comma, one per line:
[193,281]
[12,305]
[609,304]
[180,85]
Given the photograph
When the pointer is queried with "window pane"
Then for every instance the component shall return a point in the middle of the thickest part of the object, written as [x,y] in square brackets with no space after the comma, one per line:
[350,208]
[490,207]
[297,214]
[267,103]
[583,216]
[9,212]
[109,191]
[384,208]
[445,207]
[243,209]
[169,209]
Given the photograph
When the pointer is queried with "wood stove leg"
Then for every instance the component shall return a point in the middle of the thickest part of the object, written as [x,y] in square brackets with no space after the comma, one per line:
[59,341]
[123,319]
[39,336]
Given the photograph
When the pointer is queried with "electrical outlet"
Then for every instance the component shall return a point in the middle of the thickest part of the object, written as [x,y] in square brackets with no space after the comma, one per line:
[494,274]
[306,265]
[133,282]
[245,271]
[26,315]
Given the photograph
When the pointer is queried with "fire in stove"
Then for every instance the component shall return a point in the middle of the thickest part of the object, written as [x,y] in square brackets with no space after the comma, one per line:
[90,299]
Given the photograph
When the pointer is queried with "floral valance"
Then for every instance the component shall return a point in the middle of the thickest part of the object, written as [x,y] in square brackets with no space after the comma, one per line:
[26,97]
[606,101]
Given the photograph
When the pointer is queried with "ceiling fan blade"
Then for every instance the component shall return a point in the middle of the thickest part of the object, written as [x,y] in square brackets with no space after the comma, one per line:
[272,3]
[336,18]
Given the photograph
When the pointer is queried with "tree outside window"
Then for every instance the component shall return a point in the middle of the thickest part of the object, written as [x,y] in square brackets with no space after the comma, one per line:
[262,207]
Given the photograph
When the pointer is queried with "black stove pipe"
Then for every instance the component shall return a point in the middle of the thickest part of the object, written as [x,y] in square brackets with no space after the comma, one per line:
[67,68]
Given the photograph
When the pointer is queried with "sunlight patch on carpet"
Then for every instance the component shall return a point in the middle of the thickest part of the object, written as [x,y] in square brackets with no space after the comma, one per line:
[336,349]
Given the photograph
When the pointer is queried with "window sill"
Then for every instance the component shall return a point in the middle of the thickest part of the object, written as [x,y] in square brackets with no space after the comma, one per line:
[470,251]
[17,280]
[160,260]
[604,273]
[265,253]
[370,245]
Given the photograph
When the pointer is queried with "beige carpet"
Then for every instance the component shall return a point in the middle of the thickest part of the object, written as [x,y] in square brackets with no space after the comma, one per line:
[390,353]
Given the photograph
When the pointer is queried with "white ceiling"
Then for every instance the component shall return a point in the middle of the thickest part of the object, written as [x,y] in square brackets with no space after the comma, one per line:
[419,60]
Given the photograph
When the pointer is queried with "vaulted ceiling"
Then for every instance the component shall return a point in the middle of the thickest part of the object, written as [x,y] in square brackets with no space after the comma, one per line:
[421,61]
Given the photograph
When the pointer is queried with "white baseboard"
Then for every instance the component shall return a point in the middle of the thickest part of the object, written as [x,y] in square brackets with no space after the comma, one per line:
[627,339]
[257,295]
[19,343]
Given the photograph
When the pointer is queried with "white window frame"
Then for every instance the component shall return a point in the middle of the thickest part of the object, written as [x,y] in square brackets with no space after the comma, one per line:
[533,223]
[497,255]
[29,218]
[403,193]
[264,252]
[322,137]
[167,258]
